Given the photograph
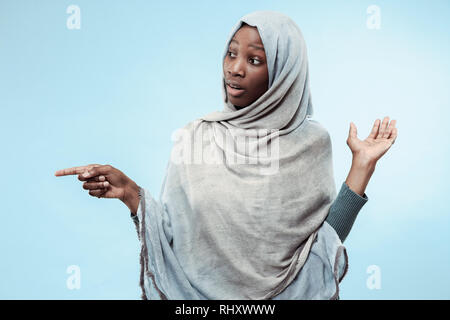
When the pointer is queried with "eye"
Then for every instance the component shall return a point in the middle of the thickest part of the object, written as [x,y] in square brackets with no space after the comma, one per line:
[259,62]
[229,52]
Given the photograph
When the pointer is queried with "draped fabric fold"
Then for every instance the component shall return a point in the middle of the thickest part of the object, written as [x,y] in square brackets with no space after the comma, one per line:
[319,279]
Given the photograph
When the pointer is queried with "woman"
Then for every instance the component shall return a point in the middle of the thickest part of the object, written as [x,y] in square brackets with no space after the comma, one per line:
[252,212]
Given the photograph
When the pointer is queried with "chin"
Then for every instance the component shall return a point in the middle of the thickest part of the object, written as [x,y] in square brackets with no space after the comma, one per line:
[238,107]
[237,104]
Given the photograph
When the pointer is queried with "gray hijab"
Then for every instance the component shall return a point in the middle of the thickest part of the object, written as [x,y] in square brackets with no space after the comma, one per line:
[245,191]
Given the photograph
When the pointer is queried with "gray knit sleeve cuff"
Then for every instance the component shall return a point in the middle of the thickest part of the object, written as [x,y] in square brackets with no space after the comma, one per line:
[344,210]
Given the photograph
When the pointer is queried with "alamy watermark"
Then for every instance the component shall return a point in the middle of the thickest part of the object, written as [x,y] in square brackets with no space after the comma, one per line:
[374,280]
[259,147]
[74,280]
[74,20]
[373,21]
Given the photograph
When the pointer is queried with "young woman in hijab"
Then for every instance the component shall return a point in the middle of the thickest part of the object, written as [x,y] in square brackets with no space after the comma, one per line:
[232,223]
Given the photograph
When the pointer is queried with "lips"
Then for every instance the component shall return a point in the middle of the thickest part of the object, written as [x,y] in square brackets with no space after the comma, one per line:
[234,88]
[234,84]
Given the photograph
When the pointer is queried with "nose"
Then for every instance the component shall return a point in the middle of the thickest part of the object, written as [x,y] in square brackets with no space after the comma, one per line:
[236,67]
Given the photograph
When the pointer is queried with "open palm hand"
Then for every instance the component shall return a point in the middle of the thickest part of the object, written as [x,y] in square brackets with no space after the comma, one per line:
[376,144]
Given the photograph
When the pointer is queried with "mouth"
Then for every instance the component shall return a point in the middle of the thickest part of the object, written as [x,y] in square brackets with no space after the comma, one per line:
[234,91]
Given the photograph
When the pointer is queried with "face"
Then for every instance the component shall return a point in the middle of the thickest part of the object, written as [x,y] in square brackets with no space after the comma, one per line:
[245,68]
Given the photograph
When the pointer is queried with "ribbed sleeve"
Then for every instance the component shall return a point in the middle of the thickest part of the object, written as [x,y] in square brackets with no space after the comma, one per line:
[344,210]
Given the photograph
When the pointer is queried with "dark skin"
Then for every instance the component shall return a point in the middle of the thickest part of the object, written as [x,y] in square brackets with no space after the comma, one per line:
[245,64]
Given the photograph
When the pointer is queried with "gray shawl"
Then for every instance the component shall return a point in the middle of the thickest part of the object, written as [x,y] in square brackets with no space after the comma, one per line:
[245,191]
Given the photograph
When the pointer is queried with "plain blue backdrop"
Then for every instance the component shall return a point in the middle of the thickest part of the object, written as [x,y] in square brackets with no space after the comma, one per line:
[113,91]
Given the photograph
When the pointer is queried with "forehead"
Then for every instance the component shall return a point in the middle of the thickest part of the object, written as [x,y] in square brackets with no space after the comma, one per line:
[248,34]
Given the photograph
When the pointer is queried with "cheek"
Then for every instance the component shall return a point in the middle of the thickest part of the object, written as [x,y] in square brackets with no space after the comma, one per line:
[262,80]
[225,65]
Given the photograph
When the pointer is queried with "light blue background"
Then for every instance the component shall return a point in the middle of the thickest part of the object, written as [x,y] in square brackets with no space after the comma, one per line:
[114,91]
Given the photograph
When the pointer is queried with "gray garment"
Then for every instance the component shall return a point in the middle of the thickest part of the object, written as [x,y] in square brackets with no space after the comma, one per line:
[246,192]
[319,278]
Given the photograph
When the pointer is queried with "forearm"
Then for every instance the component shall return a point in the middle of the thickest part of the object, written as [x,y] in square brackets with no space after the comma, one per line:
[360,173]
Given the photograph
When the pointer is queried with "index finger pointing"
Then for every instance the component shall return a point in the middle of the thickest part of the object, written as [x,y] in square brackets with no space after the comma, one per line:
[74,170]
[68,171]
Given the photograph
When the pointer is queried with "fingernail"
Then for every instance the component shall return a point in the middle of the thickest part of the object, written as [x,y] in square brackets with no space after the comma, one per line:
[86,174]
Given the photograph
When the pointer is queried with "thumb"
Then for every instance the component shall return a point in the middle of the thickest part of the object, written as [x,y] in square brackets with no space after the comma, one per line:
[352,131]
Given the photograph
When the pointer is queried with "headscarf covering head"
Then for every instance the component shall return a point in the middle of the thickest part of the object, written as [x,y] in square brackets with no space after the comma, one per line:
[287,101]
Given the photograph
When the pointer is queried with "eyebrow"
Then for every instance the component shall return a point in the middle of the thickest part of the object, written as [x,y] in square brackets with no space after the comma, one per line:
[250,45]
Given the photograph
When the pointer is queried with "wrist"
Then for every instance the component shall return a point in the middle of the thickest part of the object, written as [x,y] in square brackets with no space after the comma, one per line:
[131,197]
[360,174]
[363,163]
